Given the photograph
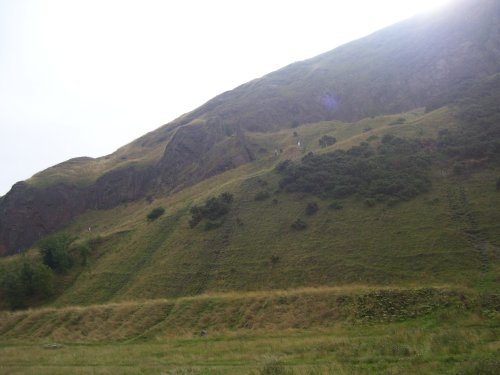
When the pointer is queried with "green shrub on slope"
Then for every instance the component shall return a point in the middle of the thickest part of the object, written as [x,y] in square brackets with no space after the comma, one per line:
[213,209]
[55,252]
[396,169]
[156,213]
[25,280]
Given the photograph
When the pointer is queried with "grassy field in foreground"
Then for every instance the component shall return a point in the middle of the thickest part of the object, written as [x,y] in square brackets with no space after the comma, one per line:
[354,330]
[465,344]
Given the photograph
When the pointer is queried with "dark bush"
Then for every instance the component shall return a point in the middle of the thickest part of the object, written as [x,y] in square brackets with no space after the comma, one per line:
[458,168]
[298,225]
[275,368]
[327,140]
[156,213]
[209,225]
[25,280]
[213,209]
[84,250]
[398,168]
[261,196]
[387,138]
[55,252]
[498,184]
[336,206]
[311,208]
[196,216]
[476,108]
[370,202]
[226,197]
[398,121]
[262,182]
[284,165]
[391,202]
[485,366]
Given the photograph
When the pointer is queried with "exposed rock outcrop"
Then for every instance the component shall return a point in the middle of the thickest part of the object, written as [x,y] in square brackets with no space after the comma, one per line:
[200,151]
[28,213]
[120,186]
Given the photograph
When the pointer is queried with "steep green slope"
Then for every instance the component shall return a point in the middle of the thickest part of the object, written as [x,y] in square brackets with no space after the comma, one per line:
[419,242]
[447,235]
[403,199]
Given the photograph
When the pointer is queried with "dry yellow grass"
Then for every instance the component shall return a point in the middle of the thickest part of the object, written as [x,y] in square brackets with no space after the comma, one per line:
[220,313]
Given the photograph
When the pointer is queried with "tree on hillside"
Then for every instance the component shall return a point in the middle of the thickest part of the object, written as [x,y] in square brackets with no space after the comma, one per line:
[327,140]
[23,280]
[213,209]
[311,208]
[156,213]
[54,252]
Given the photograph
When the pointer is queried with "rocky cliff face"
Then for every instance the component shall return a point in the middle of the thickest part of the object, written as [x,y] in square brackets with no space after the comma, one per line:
[119,186]
[200,151]
[28,213]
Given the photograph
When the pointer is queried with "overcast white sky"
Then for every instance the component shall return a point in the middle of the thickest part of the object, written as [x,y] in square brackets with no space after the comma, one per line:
[84,77]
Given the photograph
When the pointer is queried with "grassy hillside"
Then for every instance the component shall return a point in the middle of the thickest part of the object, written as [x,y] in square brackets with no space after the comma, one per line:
[419,242]
[446,235]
